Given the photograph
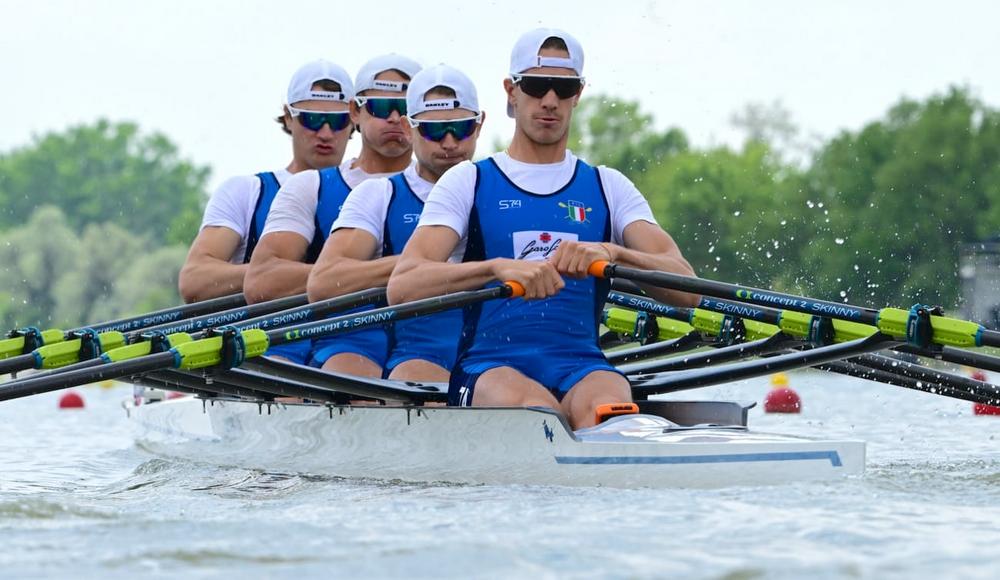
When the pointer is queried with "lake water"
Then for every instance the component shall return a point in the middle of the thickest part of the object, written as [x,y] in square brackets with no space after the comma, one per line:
[78,498]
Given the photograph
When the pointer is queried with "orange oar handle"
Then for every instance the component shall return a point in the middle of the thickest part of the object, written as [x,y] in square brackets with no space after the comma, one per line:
[516,290]
[598,268]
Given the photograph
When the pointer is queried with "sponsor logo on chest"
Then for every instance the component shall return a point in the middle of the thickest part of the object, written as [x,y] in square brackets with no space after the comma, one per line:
[539,245]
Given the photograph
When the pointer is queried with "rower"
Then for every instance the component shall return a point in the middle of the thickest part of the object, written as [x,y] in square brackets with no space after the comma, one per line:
[534,214]
[308,203]
[315,116]
[380,215]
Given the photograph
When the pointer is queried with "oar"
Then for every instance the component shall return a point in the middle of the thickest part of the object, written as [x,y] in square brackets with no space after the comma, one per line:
[980,393]
[681,380]
[229,347]
[90,346]
[65,356]
[25,340]
[920,326]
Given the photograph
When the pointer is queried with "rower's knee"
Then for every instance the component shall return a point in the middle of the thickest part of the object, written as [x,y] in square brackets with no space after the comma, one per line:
[421,371]
[350,363]
[597,388]
[507,387]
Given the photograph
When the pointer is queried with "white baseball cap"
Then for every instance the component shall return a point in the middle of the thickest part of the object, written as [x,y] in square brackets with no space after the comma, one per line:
[441,75]
[525,53]
[378,65]
[300,87]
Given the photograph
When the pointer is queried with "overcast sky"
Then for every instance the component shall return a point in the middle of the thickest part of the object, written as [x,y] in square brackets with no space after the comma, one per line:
[212,74]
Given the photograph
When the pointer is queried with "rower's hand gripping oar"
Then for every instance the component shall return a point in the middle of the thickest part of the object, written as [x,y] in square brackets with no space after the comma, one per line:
[228,347]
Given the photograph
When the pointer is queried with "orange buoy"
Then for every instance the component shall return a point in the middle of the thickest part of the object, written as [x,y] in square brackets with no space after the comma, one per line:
[782,398]
[175,395]
[71,400]
[982,408]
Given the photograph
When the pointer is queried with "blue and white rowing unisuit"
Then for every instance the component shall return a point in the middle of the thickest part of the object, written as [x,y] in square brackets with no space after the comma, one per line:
[269,187]
[432,338]
[372,342]
[300,351]
[553,341]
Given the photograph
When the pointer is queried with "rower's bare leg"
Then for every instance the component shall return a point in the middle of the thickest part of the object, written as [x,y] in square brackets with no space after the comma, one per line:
[351,363]
[508,387]
[596,389]
[421,371]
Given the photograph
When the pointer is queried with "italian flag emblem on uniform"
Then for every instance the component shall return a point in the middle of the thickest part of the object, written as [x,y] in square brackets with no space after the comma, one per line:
[577,211]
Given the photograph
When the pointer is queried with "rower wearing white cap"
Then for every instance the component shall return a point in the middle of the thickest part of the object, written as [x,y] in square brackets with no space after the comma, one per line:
[315,116]
[535,214]
[380,215]
[308,203]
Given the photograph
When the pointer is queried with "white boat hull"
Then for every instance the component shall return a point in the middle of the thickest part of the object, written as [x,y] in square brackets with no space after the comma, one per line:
[478,445]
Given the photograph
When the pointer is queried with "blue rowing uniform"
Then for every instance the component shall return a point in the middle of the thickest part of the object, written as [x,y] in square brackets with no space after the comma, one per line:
[432,338]
[371,342]
[553,341]
[269,187]
[300,351]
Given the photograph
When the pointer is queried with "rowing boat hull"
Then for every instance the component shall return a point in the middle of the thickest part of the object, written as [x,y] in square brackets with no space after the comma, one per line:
[482,445]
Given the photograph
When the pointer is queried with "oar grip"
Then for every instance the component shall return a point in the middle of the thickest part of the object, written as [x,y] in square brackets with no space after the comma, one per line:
[599,269]
[516,290]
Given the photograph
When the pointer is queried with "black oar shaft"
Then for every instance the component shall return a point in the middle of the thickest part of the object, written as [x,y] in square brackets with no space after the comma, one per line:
[892,378]
[725,354]
[748,294]
[682,380]
[691,340]
[225,317]
[54,382]
[169,315]
[386,315]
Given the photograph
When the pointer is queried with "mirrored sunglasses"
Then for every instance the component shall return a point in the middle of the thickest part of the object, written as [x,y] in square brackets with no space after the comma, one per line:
[314,120]
[539,85]
[460,129]
[382,107]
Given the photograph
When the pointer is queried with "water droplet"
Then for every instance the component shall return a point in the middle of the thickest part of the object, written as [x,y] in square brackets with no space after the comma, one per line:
[839,241]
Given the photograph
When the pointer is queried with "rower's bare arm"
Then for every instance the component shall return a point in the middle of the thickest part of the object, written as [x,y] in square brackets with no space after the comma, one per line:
[207,272]
[648,247]
[345,265]
[276,267]
[423,270]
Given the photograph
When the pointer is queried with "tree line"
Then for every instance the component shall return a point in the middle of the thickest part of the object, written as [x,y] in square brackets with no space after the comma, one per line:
[95,220]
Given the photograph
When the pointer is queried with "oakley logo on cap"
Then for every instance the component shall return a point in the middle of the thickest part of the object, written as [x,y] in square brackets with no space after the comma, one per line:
[327,96]
[390,86]
[442,104]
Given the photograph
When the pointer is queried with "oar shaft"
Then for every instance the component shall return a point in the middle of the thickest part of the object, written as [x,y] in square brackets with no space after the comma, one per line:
[387,315]
[689,341]
[747,294]
[682,380]
[768,345]
[54,382]
[226,317]
[169,315]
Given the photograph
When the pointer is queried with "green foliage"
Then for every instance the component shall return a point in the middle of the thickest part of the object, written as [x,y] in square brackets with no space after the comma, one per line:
[875,218]
[616,133]
[902,194]
[105,172]
[54,278]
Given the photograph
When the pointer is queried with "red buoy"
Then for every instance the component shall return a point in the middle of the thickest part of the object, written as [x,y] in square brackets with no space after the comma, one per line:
[175,395]
[71,400]
[981,408]
[781,398]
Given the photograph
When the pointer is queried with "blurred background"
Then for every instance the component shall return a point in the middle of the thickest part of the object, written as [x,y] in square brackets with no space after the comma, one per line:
[848,151]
